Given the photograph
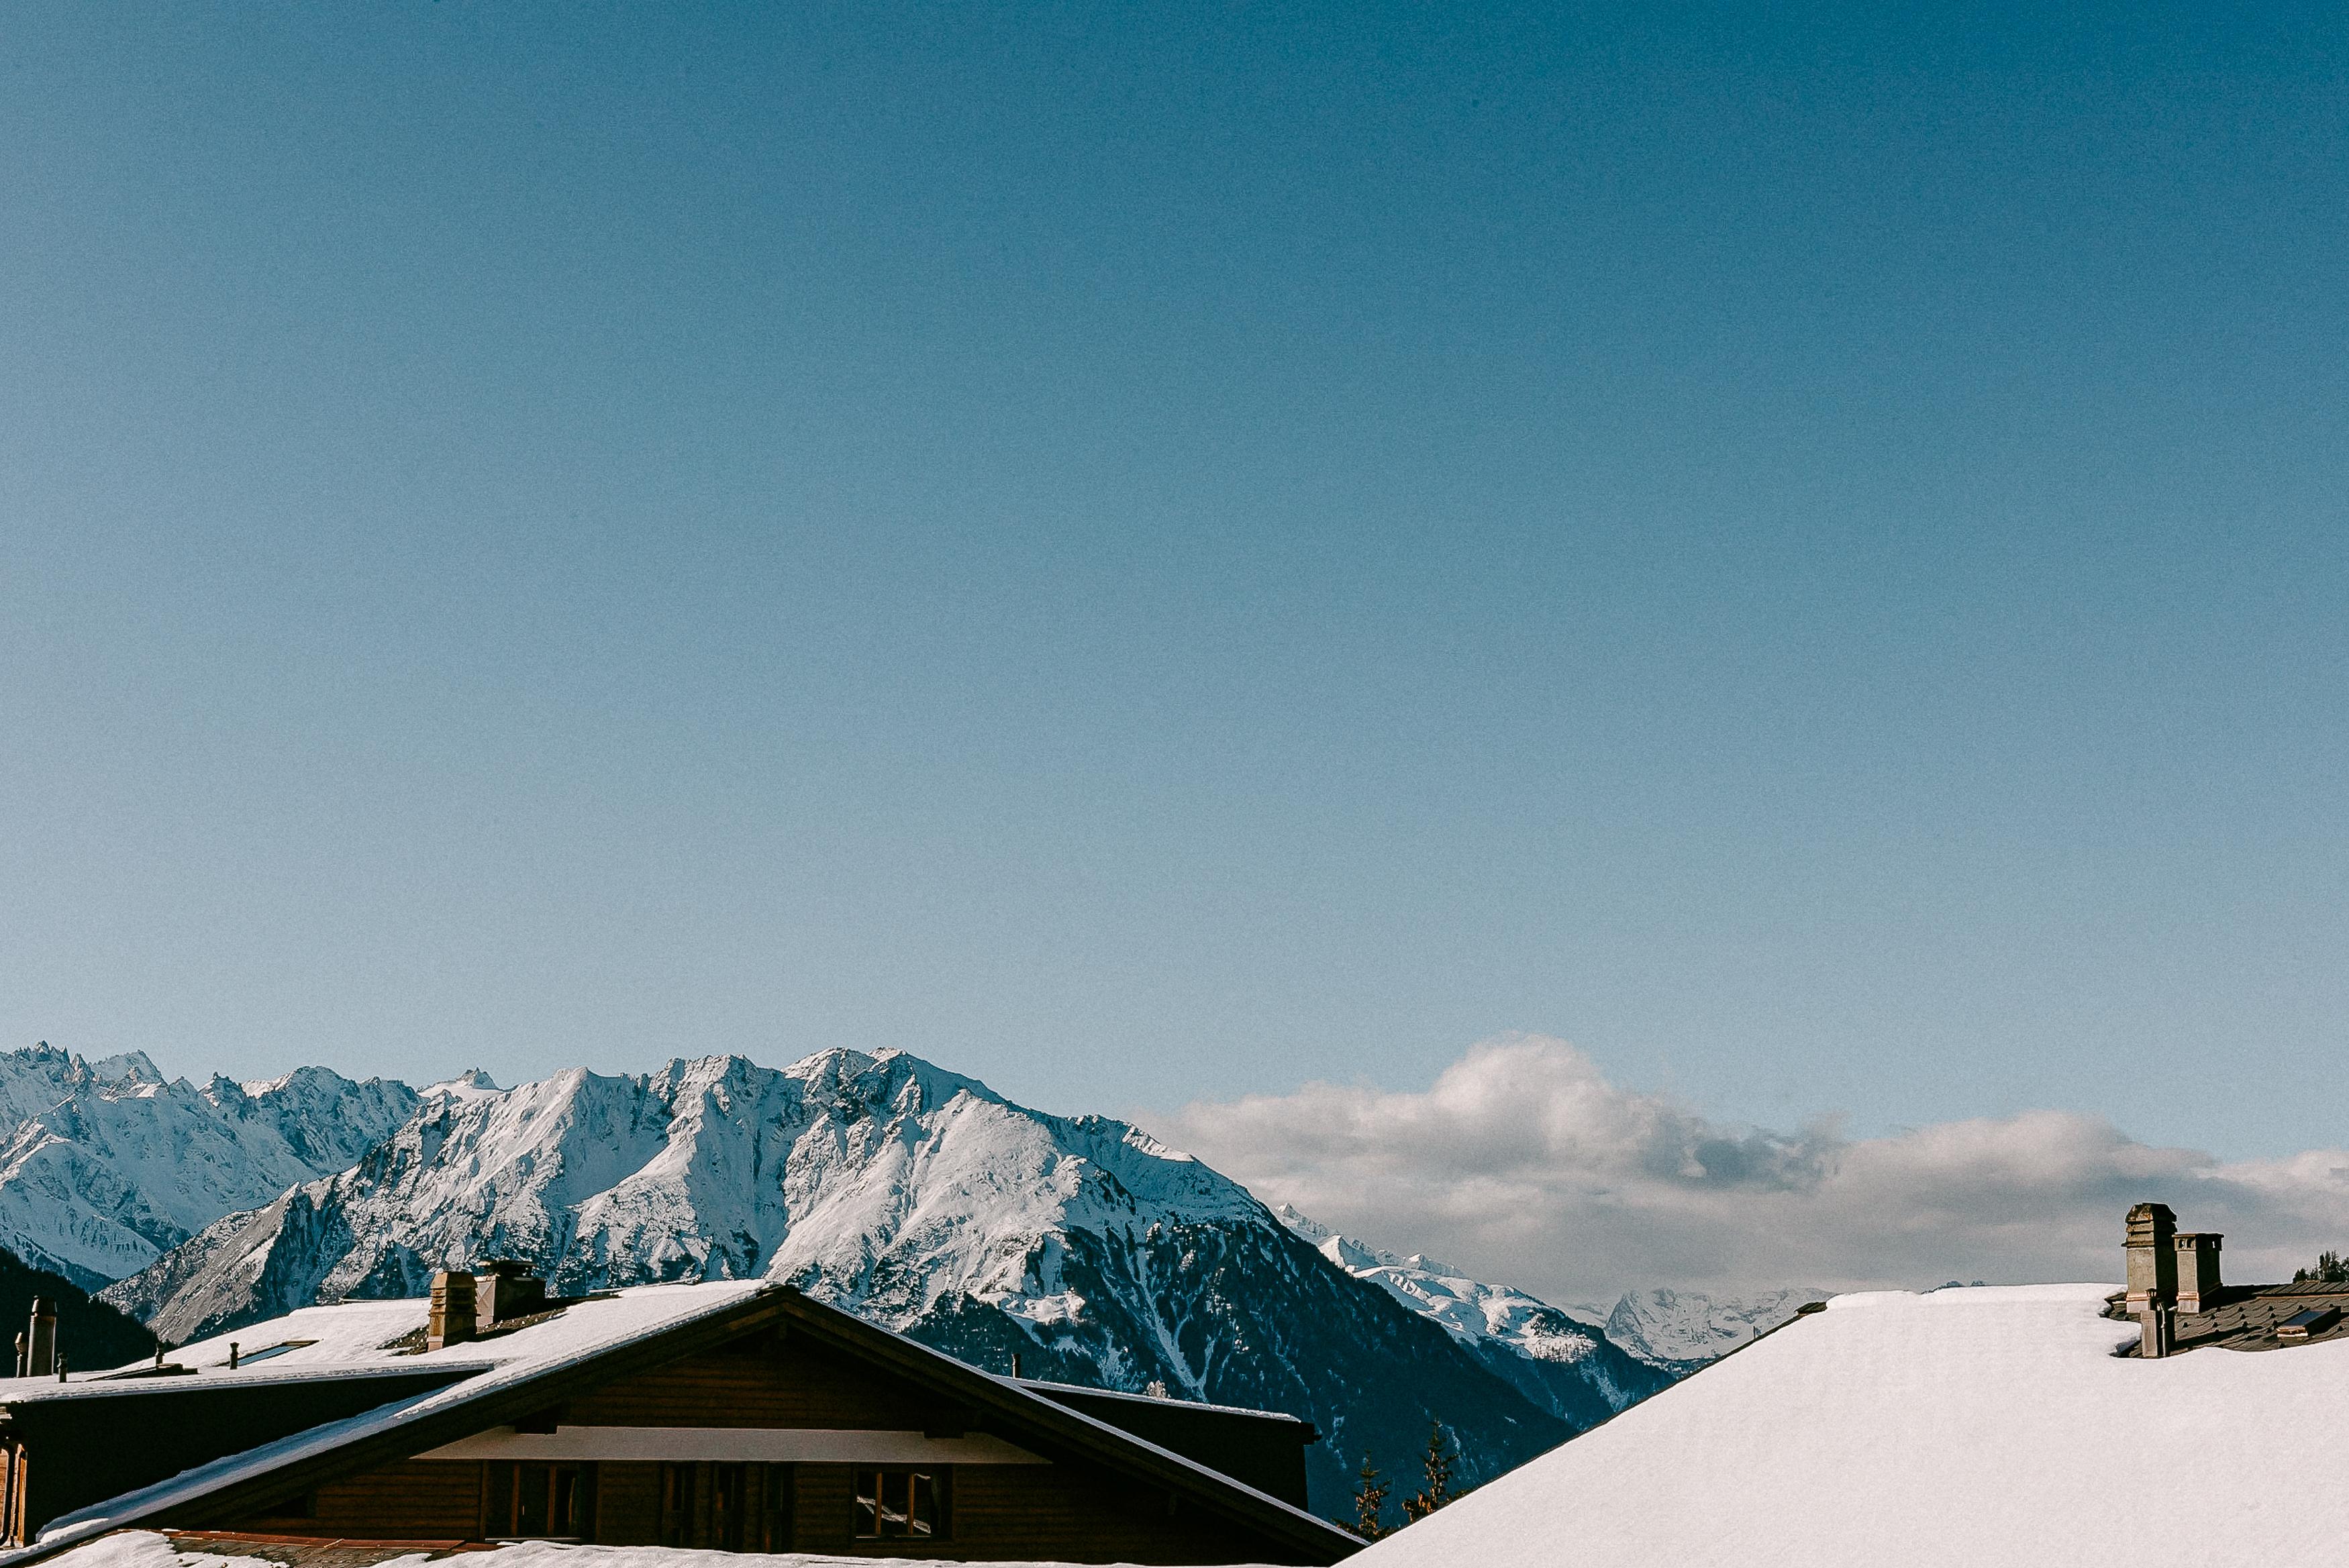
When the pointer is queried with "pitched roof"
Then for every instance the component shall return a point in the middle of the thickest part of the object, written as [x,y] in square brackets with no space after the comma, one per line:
[516,1371]
[2245,1317]
[1960,1427]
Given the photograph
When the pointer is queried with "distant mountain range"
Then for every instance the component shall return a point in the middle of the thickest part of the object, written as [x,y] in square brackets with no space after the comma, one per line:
[1684,1329]
[913,1196]
[106,1165]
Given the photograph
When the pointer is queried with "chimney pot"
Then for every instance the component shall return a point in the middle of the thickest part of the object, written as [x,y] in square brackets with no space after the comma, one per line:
[2152,1258]
[506,1289]
[451,1319]
[41,1348]
[2197,1269]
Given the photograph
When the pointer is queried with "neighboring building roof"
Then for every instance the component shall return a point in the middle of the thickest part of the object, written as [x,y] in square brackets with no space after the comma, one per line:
[2245,1317]
[513,1371]
[1962,1426]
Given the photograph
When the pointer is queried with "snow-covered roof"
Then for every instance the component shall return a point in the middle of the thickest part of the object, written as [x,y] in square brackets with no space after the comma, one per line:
[1049,1389]
[363,1336]
[1962,1426]
[359,1337]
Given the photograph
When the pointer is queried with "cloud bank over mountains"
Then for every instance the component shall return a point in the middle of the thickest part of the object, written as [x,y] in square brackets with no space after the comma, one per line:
[1524,1164]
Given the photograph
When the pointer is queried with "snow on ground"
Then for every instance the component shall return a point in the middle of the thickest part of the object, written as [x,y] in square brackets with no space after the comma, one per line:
[147,1549]
[1975,1427]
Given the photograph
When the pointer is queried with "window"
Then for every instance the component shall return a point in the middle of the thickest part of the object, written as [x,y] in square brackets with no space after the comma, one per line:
[677,1505]
[900,1505]
[730,1507]
[547,1503]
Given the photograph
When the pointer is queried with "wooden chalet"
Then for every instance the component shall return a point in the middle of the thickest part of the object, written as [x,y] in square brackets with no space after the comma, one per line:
[741,1417]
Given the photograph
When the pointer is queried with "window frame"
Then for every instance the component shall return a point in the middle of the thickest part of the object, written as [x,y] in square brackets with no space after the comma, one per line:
[875,1502]
[502,1482]
[764,1504]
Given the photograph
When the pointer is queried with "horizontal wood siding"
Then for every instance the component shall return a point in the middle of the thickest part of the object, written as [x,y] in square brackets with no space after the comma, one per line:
[429,1500]
[757,1383]
[1060,1514]
[822,1504]
[627,1504]
[1070,1510]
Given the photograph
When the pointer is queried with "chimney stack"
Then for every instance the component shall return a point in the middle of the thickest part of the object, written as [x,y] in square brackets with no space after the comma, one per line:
[507,1289]
[2152,1257]
[2197,1269]
[451,1322]
[41,1346]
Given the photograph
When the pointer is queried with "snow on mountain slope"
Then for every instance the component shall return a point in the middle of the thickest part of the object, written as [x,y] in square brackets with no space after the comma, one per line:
[1684,1327]
[922,1201]
[104,1165]
[1558,1361]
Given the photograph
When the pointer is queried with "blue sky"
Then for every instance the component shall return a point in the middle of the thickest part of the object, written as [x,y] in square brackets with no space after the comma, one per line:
[1158,554]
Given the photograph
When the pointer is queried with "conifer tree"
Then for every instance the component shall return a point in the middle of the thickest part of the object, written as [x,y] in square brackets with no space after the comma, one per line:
[1437,1464]
[2330,1269]
[1370,1502]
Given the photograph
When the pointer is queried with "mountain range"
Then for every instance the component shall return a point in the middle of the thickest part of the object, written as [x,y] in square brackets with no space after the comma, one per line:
[1079,1247]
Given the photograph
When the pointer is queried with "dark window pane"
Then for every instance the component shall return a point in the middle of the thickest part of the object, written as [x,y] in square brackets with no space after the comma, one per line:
[566,1514]
[922,1510]
[677,1505]
[895,1504]
[530,1500]
[775,1523]
[498,1517]
[726,1508]
[868,1504]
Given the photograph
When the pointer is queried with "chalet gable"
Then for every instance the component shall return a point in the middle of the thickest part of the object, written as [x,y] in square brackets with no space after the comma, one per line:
[643,1385]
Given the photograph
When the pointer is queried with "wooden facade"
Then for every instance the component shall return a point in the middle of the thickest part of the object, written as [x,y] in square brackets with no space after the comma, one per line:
[796,1429]
[580,1480]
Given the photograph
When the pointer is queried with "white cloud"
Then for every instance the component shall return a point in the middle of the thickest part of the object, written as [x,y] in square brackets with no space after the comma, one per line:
[1524,1165]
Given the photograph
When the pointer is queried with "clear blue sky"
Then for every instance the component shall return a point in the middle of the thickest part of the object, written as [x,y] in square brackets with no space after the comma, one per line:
[1162,551]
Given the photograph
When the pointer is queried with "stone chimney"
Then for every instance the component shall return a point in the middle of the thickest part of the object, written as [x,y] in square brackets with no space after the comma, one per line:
[2197,1270]
[507,1289]
[451,1322]
[2152,1258]
[41,1344]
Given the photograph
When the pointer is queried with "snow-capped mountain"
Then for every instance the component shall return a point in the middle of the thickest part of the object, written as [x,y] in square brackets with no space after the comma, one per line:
[922,1201]
[1561,1362]
[1682,1328]
[104,1165]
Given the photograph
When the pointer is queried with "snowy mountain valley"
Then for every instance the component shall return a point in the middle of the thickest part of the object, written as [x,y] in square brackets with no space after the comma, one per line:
[911,1195]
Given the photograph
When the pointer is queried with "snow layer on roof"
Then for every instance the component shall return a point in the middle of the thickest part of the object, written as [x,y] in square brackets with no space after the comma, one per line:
[1962,1427]
[583,1329]
[358,1336]
[1047,1387]
[149,1549]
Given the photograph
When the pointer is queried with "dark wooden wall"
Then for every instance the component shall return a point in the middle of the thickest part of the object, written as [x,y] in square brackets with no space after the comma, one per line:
[427,1500]
[1067,1511]
[757,1383]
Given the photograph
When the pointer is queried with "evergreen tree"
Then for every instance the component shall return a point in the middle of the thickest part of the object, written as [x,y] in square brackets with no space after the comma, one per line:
[1437,1464]
[1370,1502]
[2330,1270]
[91,1334]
